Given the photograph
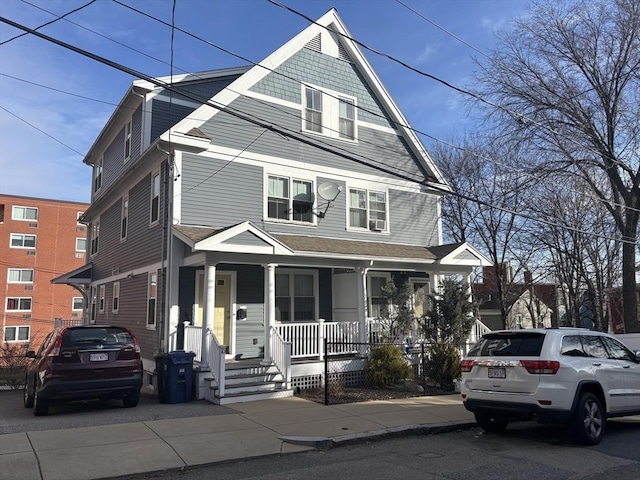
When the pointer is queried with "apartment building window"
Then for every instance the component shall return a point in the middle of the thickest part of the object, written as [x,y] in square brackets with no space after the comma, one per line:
[21,240]
[29,214]
[1,212]
[296,295]
[97,174]
[18,304]
[127,141]
[124,216]
[101,300]
[77,303]
[78,217]
[375,294]
[81,244]
[20,275]
[95,236]
[346,119]
[329,113]
[313,110]
[155,197]
[368,210]
[152,293]
[115,305]
[291,204]
[21,333]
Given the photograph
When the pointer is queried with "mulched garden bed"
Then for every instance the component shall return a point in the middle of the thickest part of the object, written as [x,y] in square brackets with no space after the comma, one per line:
[354,395]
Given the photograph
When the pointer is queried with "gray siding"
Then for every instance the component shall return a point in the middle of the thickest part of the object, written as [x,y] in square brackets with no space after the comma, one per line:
[466,256]
[160,119]
[247,239]
[324,71]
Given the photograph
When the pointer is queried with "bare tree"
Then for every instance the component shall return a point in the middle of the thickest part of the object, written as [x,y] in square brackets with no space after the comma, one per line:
[566,82]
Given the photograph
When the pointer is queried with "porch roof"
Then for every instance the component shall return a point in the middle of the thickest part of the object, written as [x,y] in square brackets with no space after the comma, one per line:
[79,276]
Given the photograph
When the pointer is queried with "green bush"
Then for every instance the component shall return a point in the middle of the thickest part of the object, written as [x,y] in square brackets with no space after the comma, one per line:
[386,366]
[443,366]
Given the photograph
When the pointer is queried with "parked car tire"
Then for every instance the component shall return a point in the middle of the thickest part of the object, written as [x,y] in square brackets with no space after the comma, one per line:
[132,399]
[40,406]
[491,423]
[589,420]
[28,396]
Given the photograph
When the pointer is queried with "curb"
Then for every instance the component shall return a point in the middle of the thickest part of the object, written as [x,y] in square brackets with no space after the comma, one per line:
[326,443]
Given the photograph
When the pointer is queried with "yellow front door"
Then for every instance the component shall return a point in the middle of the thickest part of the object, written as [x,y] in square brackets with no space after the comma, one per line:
[222,311]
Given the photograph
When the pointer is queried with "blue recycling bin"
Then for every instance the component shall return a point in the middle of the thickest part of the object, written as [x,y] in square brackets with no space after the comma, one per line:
[176,377]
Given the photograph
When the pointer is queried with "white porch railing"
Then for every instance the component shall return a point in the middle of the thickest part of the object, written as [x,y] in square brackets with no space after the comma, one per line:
[307,339]
[281,353]
[192,340]
[216,360]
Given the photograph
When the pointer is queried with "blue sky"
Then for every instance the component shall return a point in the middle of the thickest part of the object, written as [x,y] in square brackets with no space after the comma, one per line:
[43,158]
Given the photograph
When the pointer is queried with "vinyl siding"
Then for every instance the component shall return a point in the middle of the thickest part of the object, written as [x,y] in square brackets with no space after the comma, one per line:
[160,119]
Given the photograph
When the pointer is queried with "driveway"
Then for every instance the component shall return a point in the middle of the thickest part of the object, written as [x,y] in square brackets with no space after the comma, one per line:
[14,418]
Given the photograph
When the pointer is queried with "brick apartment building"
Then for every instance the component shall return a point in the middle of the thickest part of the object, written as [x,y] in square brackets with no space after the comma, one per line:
[40,239]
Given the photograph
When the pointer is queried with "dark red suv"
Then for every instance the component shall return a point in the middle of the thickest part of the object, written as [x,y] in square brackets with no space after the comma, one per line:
[84,362]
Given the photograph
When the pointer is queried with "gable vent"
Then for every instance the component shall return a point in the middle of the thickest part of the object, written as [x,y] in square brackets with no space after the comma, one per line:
[315,44]
[342,53]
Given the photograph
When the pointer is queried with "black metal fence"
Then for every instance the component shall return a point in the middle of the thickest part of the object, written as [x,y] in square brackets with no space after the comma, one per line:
[362,371]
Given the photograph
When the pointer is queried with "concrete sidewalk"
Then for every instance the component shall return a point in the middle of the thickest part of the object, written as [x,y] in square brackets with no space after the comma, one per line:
[269,427]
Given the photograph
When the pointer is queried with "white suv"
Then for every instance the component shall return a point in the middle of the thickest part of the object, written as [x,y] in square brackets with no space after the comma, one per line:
[560,375]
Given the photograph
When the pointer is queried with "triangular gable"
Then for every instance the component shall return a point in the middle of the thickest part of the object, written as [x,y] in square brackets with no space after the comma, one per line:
[243,238]
[465,255]
[347,49]
[79,276]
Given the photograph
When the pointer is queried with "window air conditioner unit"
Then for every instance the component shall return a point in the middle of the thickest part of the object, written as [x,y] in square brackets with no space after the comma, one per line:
[378,225]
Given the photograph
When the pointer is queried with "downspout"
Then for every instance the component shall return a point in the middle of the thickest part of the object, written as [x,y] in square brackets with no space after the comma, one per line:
[163,334]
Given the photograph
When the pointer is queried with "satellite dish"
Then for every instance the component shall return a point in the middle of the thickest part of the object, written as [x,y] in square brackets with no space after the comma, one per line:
[329,191]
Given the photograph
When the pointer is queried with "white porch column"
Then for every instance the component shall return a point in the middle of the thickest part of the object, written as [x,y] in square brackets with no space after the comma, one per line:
[362,304]
[209,302]
[269,310]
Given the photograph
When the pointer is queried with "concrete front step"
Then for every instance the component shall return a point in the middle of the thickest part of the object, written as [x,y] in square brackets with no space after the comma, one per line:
[247,397]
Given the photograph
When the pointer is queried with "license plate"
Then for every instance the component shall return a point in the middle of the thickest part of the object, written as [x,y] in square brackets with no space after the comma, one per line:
[98,357]
[497,372]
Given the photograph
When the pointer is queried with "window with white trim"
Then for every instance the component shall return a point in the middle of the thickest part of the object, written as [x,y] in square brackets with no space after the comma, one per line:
[368,209]
[29,214]
[94,304]
[155,197]
[97,174]
[115,304]
[124,217]
[20,333]
[329,113]
[95,236]
[20,275]
[77,303]
[18,304]
[22,240]
[101,300]
[127,141]
[152,293]
[296,295]
[81,244]
[289,199]
[375,294]
[78,217]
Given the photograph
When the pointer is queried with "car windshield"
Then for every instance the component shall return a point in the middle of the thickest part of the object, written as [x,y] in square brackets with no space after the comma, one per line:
[82,337]
[504,344]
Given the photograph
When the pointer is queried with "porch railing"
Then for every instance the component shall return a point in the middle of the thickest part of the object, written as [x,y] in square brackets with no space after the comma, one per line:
[281,353]
[216,360]
[192,340]
[307,339]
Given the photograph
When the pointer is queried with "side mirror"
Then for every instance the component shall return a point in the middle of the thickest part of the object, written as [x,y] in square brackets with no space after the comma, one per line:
[32,354]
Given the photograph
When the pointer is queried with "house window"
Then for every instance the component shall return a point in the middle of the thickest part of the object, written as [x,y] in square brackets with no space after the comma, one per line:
[124,218]
[368,210]
[20,240]
[152,293]
[95,236]
[17,334]
[313,110]
[155,197]
[20,275]
[377,301]
[77,303]
[18,304]
[296,296]
[346,119]
[101,302]
[94,295]
[97,175]
[81,244]
[127,141]
[291,204]
[115,305]
[25,213]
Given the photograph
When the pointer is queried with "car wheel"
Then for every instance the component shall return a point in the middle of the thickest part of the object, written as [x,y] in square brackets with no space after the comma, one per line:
[28,396]
[589,420]
[491,423]
[132,399]
[40,406]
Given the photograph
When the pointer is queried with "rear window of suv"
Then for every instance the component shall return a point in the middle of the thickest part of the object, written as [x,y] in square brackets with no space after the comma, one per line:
[83,337]
[508,344]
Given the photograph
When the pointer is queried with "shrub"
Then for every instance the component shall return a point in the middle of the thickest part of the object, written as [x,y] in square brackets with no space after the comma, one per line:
[443,367]
[386,366]
[13,365]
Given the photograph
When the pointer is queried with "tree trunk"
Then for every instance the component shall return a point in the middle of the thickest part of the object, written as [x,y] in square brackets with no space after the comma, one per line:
[629,289]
